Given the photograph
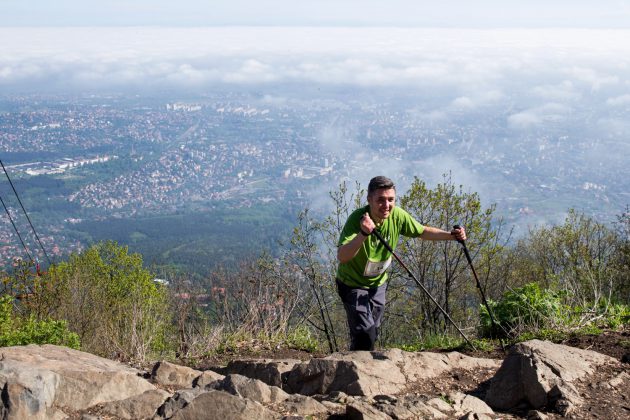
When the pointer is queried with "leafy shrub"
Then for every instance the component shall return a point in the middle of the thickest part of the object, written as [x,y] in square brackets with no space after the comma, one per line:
[301,338]
[17,332]
[549,334]
[614,315]
[433,341]
[523,309]
[111,301]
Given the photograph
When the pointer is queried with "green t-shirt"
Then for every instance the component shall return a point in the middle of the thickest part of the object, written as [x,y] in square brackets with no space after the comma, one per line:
[369,267]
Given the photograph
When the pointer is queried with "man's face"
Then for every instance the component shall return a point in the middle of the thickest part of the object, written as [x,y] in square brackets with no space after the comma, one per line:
[381,202]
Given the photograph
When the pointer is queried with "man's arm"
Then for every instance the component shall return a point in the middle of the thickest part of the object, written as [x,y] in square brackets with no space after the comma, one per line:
[347,251]
[435,234]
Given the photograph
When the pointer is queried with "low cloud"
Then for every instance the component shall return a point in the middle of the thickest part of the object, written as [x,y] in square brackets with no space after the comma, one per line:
[463,102]
[564,91]
[523,120]
[473,62]
[593,77]
[619,100]
[551,112]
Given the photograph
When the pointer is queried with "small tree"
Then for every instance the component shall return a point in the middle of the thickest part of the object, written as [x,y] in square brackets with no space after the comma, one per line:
[111,301]
[441,266]
[312,257]
[581,257]
[622,260]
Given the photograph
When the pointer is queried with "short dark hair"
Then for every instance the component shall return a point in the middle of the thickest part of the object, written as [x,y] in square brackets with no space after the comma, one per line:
[380,182]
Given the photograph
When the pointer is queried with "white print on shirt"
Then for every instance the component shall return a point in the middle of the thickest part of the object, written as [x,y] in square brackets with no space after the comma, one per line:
[376,268]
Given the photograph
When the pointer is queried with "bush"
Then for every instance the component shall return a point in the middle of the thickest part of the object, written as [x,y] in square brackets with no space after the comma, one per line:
[18,332]
[109,299]
[615,315]
[433,341]
[301,338]
[524,309]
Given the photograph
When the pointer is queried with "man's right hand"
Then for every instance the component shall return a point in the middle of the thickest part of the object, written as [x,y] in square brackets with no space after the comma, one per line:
[367,224]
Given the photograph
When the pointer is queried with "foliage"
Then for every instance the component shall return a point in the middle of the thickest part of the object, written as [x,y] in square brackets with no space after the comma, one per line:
[301,338]
[312,273]
[235,309]
[17,332]
[555,282]
[622,257]
[440,266]
[109,300]
[609,315]
[432,342]
[522,309]
[196,242]
[549,334]
[579,257]
[531,312]
[312,257]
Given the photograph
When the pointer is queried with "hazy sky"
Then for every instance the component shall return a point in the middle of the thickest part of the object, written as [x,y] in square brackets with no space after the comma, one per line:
[449,13]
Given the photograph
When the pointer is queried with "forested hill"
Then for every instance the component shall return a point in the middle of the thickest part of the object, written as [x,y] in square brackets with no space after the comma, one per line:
[196,243]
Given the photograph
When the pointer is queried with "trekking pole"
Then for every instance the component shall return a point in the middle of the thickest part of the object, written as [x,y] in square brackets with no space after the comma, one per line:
[495,324]
[389,248]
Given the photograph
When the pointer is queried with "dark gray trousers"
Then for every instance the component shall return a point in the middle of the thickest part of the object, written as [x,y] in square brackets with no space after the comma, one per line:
[364,309]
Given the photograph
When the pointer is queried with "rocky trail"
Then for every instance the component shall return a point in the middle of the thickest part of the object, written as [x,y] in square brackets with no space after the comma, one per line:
[535,380]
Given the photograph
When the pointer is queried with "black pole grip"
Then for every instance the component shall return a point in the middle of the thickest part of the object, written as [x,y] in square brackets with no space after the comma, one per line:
[458,227]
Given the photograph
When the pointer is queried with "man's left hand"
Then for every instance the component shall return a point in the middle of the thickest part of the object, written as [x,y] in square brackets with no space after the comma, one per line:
[459,234]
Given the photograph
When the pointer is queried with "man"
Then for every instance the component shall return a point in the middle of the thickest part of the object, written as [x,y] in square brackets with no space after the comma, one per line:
[363,260]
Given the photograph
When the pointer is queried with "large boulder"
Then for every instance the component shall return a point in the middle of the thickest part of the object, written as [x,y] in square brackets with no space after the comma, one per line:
[541,374]
[141,406]
[252,389]
[170,375]
[271,372]
[418,366]
[224,406]
[38,379]
[206,378]
[464,404]
[354,377]
[27,392]
[177,401]
[374,373]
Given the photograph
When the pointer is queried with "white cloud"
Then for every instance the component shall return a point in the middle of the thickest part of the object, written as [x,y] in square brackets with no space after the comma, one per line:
[565,91]
[592,77]
[478,64]
[619,100]
[538,115]
[463,102]
[524,120]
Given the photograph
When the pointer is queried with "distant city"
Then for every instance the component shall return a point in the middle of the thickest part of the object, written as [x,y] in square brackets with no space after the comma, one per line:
[103,157]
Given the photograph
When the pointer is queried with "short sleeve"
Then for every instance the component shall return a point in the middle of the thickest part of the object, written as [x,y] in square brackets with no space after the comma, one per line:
[410,227]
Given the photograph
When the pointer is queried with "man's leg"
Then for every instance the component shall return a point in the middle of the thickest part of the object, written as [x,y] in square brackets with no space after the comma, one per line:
[358,308]
[377,305]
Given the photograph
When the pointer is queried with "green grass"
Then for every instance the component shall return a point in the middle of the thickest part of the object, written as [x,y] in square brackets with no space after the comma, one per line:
[432,342]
